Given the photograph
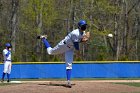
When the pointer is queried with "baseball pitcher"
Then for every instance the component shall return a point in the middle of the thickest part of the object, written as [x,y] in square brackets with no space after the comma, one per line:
[68,45]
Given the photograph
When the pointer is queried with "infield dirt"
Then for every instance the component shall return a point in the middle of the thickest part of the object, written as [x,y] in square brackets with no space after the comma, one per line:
[77,87]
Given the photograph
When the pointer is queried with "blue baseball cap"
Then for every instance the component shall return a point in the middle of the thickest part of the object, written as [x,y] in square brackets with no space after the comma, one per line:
[81,23]
[8,45]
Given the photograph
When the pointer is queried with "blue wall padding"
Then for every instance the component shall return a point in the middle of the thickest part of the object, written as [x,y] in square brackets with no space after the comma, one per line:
[89,70]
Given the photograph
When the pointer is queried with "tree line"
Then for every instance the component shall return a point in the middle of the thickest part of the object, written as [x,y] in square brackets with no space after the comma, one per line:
[21,21]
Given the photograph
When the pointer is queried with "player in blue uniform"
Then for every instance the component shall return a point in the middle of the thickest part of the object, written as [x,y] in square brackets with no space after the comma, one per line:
[7,62]
[67,46]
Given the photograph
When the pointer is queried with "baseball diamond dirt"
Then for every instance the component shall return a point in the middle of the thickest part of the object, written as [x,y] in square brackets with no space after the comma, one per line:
[92,86]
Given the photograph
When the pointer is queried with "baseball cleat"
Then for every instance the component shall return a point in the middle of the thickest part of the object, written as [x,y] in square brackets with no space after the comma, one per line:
[42,36]
[2,80]
[68,84]
[8,81]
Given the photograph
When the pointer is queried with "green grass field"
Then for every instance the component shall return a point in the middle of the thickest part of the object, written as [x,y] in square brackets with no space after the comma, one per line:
[135,84]
[5,84]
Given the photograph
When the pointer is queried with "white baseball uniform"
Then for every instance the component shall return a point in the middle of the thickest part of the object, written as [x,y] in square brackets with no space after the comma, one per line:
[7,61]
[67,46]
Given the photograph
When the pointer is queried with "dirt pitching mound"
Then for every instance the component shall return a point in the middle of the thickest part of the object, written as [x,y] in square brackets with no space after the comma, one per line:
[59,87]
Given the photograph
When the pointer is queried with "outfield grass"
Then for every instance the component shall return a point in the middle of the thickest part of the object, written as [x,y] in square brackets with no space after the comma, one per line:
[136,84]
[5,84]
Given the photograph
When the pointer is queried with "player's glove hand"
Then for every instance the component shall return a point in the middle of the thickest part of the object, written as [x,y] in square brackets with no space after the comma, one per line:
[86,37]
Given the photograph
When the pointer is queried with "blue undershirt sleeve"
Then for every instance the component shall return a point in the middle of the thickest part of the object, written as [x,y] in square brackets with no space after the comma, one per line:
[7,53]
[46,43]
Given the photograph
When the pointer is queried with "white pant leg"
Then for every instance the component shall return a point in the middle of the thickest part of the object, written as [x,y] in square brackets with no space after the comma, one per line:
[69,58]
[7,67]
[49,50]
[59,49]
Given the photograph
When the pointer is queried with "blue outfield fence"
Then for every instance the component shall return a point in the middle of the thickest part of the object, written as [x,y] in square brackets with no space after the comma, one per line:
[80,70]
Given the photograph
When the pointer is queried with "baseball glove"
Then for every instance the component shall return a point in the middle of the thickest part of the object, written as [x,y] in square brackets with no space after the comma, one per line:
[86,37]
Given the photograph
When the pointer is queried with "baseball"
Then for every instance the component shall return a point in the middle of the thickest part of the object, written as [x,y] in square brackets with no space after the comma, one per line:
[110,35]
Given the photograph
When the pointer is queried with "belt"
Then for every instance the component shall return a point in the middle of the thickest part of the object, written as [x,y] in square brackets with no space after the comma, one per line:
[66,43]
[6,60]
